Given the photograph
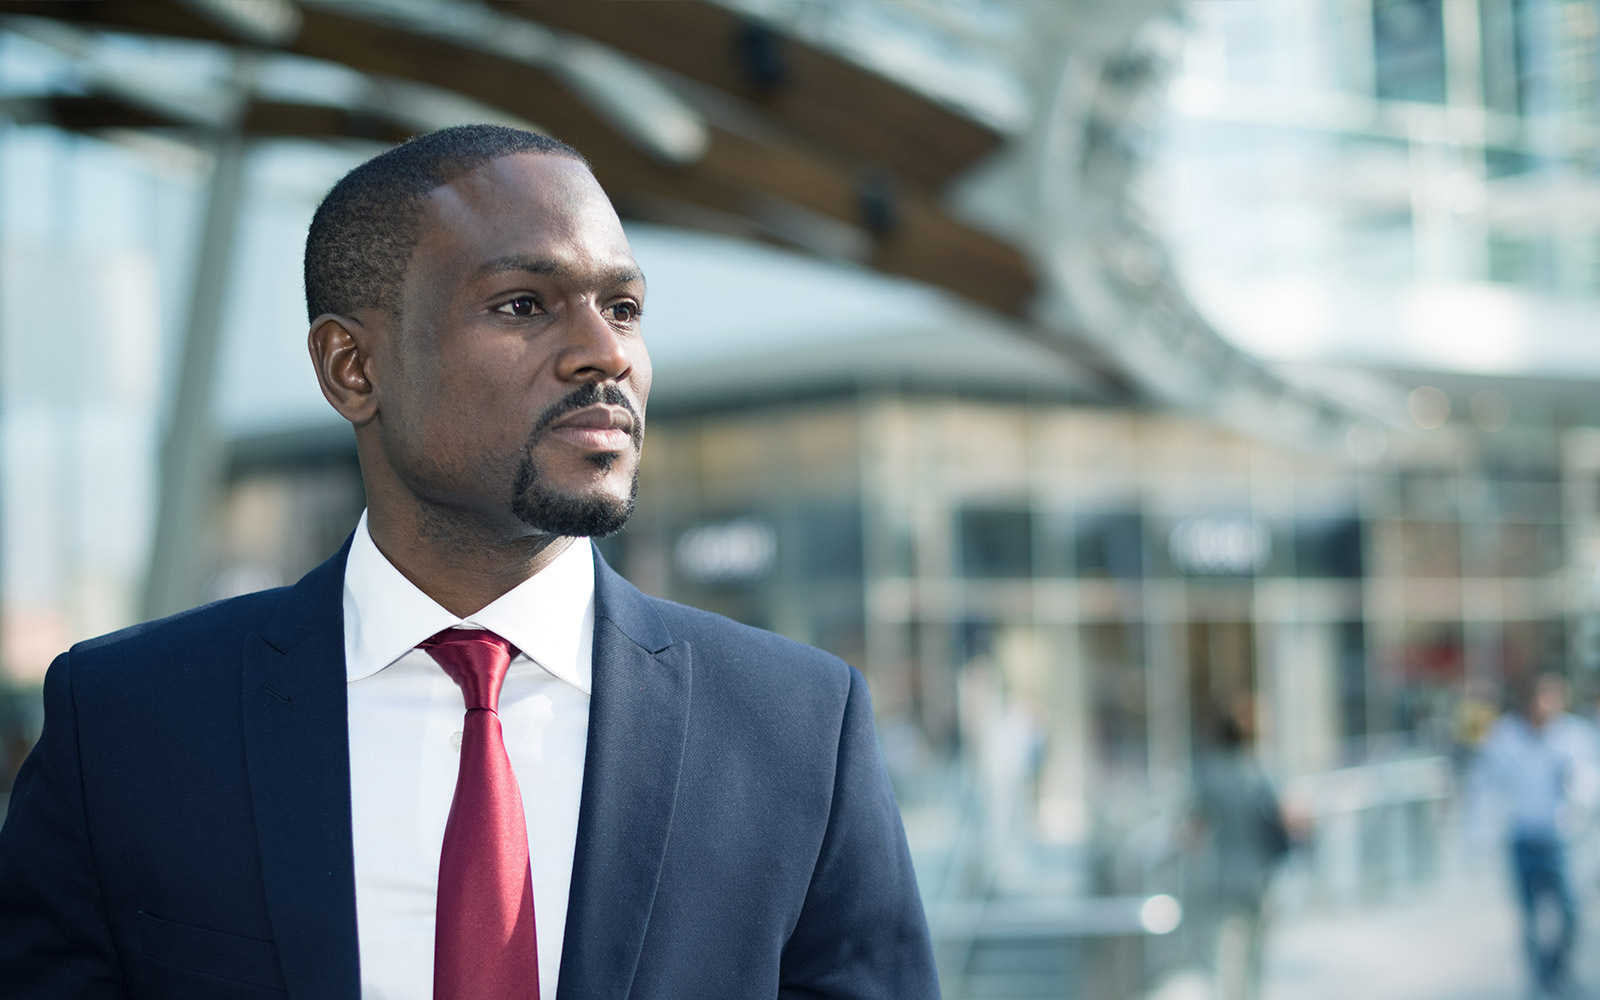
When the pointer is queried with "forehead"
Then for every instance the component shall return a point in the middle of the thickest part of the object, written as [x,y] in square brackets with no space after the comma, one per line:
[534,204]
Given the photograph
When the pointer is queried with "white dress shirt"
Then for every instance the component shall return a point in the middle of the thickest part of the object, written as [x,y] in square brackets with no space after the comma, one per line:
[405,730]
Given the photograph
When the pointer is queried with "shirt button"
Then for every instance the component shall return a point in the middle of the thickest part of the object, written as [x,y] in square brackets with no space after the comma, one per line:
[455,739]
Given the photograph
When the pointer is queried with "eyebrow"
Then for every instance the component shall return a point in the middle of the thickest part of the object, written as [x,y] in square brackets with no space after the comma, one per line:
[552,266]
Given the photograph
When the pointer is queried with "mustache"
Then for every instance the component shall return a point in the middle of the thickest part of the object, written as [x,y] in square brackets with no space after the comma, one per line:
[588,395]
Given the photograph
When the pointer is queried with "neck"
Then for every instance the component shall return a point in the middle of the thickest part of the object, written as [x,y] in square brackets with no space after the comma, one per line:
[463,567]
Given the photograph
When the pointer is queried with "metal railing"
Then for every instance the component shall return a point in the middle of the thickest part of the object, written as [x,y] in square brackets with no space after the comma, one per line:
[1374,829]
[1003,927]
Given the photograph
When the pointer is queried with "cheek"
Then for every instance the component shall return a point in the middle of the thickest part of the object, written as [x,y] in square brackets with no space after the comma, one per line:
[466,403]
[454,433]
[640,380]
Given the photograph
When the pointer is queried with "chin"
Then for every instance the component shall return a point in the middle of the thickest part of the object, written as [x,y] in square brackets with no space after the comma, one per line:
[593,512]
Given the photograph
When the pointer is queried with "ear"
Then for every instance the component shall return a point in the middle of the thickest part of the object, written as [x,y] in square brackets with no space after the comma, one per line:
[340,351]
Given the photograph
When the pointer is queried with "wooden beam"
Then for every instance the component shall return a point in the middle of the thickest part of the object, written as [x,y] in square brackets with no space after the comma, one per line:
[284,119]
[261,119]
[812,91]
[93,114]
[921,241]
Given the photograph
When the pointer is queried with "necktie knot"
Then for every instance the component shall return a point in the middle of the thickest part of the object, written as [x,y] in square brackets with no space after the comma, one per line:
[476,659]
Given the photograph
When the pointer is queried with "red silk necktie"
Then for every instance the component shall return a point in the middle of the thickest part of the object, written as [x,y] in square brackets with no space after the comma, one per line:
[484,942]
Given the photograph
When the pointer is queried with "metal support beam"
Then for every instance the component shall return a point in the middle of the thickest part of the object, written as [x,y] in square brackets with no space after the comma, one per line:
[191,456]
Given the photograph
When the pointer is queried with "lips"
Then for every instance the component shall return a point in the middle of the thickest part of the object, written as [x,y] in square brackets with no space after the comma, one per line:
[595,428]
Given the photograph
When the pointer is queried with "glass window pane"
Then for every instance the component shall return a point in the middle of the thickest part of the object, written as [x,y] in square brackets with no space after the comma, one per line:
[997,542]
[1408,50]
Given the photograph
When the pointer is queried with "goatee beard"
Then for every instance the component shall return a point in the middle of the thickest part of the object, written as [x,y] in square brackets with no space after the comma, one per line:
[571,515]
[575,515]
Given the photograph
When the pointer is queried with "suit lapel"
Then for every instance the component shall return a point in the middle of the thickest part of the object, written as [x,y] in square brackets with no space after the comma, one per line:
[638,720]
[298,757]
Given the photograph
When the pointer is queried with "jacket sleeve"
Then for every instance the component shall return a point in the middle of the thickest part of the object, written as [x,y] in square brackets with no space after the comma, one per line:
[862,934]
[54,938]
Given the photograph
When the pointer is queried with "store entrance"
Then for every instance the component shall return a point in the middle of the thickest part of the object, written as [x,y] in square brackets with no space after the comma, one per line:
[1222,680]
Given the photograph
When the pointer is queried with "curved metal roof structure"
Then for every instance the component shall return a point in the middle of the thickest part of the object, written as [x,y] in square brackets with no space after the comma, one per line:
[984,149]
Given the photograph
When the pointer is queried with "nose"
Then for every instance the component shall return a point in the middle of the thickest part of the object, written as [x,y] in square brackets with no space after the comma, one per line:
[596,351]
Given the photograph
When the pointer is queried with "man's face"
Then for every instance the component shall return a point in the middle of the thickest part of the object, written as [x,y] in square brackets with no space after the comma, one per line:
[1550,700]
[512,390]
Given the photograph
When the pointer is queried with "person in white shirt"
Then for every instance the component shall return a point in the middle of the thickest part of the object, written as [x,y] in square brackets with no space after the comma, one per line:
[1533,775]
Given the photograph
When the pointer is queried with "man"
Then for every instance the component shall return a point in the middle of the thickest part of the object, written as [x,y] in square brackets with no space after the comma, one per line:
[266,796]
[1241,838]
[1535,768]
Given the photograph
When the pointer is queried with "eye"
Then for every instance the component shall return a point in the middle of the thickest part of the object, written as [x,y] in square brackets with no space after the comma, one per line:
[522,305]
[625,312]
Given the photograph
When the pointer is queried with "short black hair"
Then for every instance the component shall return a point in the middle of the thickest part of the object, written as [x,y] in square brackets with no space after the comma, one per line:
[366,227]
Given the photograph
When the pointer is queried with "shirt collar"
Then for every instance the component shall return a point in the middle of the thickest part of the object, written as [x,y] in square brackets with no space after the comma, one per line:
[546,616]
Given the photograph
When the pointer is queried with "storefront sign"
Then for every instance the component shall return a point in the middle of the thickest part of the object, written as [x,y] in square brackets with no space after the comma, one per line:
[735,550]
[1219,546]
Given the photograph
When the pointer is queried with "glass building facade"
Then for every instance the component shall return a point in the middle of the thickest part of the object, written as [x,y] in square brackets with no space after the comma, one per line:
[1407,179]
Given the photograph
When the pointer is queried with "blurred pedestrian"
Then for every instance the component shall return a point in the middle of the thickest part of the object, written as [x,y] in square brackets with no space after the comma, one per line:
[1535,770]
[1243,838]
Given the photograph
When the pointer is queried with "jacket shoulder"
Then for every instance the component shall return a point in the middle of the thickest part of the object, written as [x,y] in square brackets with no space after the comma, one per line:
[701,627]
[734,649]
[221,622]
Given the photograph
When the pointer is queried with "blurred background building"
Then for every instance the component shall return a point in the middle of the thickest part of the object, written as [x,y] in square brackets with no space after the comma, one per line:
[1088,373]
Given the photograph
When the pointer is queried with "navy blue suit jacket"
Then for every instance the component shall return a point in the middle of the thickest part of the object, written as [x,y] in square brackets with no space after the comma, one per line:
[183,827]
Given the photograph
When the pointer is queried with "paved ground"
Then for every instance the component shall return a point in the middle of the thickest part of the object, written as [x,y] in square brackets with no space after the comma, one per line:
[1458,940]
